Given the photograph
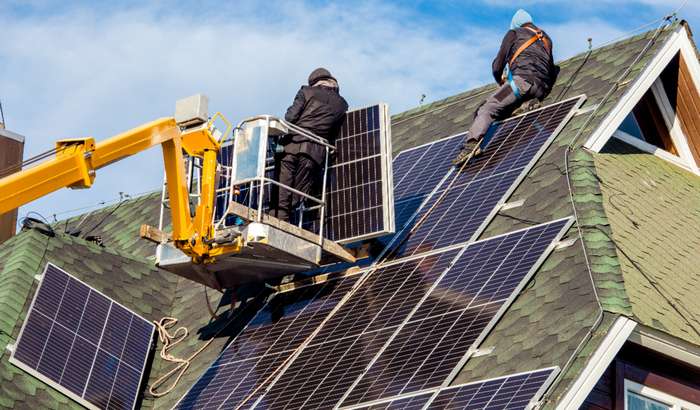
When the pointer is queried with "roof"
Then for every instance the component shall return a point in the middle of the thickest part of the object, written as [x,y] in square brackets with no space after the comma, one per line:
[546,324]
[654,209]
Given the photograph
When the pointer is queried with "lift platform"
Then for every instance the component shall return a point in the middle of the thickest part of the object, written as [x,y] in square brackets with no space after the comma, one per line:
[272,248]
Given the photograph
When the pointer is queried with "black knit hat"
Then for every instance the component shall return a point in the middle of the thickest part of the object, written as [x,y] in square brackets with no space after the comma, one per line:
[319,74]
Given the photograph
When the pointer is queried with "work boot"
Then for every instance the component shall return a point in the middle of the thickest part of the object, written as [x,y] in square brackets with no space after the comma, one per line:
[470,148]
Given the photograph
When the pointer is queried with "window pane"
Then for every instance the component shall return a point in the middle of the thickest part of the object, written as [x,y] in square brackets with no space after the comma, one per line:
[638,402]
[630,126]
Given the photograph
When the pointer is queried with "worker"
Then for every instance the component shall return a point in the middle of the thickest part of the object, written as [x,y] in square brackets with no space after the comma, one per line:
[319,108]
[524,69]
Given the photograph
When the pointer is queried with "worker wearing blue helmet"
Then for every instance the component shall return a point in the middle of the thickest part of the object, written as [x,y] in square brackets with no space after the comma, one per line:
[524,69]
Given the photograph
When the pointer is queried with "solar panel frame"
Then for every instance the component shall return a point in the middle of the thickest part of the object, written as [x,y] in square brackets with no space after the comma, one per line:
[546,375]
[399,236]
[543,378]
[414,402]
[45,379]
[567,223]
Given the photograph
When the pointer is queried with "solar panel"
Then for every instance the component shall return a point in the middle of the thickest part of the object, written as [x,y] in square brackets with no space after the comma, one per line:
[514,392]
[514,145]
[386,298]
[455,316]
[263,346]
[360,198]
[83,343]
[417,171]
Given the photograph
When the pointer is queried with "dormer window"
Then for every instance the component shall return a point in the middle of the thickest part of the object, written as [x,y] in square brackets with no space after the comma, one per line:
[646,123]
[660,113]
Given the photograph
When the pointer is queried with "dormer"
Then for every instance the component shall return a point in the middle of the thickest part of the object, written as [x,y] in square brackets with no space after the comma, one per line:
[660,112]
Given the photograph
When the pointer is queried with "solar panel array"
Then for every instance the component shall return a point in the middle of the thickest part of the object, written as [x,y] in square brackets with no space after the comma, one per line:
[88,346]
[410,325]
[486,181]
[264,345]
[348,341]
[453,316]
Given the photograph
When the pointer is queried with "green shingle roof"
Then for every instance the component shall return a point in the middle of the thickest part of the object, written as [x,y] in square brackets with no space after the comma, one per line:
[654,211]
[546,323]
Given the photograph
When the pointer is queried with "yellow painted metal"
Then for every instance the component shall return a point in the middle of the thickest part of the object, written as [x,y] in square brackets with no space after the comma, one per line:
[134,141]
[70,168]
[178,194]
[77,159]
[229,126]
[198,140]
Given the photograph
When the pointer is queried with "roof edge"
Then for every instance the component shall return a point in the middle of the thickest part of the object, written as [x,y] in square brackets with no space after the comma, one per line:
[600,360]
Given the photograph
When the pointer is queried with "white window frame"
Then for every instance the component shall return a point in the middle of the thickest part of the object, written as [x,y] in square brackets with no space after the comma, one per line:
[652,149]
[674,402]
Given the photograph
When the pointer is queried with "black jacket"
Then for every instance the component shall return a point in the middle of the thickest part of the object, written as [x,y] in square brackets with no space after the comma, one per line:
[535,64]
[320,110]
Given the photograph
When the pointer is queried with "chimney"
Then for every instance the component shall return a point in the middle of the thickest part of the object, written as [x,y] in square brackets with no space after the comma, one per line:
[11,151]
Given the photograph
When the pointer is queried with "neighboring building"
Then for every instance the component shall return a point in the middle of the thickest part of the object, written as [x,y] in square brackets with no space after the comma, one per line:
[11,150]
[615,306]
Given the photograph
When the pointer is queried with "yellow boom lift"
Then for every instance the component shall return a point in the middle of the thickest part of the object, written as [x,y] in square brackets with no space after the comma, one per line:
[188,135]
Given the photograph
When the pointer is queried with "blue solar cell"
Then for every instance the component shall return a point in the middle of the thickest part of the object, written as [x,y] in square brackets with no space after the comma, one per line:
[510,392]
[487,180]
[386,298]
[456,313]
[86,344]
[418,171]
[322,372]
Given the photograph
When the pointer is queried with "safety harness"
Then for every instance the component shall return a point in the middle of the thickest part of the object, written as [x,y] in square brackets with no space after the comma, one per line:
[539,35]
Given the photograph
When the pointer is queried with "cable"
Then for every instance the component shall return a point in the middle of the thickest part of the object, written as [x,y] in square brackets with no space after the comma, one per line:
[576,72]
[110,213]
[570,149]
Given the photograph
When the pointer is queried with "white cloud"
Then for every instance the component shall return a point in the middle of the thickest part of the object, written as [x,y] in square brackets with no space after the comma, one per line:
[88,73]
[98,71]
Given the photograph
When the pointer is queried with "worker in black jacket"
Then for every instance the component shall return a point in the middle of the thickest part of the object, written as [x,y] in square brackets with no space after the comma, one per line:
[320,109]
[524,69]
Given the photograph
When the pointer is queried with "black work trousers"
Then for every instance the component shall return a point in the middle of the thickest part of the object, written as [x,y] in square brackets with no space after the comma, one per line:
[300,172]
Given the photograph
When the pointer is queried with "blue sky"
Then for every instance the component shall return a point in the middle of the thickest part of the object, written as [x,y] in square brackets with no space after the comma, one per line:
[83,68]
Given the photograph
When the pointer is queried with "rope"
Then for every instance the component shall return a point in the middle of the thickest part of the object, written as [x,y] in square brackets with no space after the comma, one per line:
[170,340]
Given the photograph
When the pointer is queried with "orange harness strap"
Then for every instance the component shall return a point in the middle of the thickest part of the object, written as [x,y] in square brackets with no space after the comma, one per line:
[538,36]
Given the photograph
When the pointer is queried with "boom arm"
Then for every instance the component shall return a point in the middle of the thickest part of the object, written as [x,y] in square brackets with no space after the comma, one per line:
[77,160]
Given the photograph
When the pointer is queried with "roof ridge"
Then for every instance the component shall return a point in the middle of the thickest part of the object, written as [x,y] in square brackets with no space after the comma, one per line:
[473,92]
[93,246]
